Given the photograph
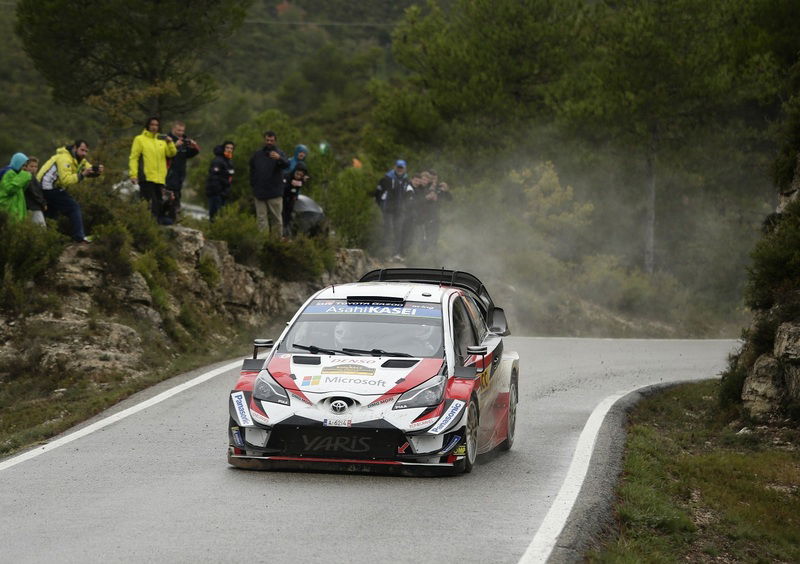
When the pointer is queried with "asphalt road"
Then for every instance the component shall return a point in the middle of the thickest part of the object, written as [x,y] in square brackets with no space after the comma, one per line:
[155,486]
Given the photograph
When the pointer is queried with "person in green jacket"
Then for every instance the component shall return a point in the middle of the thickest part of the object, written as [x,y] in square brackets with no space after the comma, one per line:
[12,188]
[148,163]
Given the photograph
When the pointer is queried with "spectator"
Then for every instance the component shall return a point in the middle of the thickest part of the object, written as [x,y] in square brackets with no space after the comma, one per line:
[438,192]
[34,196]
[187,148]
[12,187]
[220,177]
[298,179]
[266,180]
[300,154]
[148,164]
[65,169]
[391,196]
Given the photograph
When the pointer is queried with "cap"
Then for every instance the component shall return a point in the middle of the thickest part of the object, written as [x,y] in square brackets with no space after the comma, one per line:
[401,163]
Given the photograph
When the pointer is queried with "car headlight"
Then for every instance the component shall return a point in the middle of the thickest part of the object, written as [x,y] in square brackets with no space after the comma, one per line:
[267,389]
[427,394]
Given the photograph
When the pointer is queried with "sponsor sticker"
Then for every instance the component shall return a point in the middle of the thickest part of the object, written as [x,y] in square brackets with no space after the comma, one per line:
[336,444]
[240,405]
[301,398]
[448,417]
[460,450]
[237,437]
[341,307]
[380,402]
[355,369]
[337,422]
[310,380]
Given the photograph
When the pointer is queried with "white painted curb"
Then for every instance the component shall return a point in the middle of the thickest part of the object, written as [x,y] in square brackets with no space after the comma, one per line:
[96,426]
[544,541]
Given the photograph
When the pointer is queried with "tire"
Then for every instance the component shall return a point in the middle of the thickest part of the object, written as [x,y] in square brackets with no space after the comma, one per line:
[471,438]
[511,423]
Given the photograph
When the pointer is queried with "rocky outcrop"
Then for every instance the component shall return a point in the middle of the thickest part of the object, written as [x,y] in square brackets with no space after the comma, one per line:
[774,381]
[99,324]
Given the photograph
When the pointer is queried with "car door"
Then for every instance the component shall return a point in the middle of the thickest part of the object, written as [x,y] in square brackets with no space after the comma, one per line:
[469,329]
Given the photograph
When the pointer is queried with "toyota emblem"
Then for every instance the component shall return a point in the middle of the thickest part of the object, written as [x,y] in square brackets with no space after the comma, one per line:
[338,406]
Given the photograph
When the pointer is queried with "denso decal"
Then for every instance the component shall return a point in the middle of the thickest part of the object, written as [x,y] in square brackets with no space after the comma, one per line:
[240,405]
[354,360]
[337,422]
[302,399]
[448,417]
[336,444]
[354,369]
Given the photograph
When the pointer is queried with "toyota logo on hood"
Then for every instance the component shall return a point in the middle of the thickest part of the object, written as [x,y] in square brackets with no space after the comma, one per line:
[338,406]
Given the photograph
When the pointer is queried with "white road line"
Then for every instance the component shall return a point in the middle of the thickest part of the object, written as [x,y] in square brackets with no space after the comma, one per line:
[96,426]
[544,541]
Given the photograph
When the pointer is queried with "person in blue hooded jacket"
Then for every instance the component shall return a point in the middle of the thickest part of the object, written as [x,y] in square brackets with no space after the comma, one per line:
[300,154]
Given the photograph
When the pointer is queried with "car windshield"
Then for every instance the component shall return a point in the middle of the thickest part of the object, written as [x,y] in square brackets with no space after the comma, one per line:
[336,327]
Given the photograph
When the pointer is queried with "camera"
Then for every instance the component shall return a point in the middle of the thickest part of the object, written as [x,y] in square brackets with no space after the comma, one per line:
[96,169]
[162,136]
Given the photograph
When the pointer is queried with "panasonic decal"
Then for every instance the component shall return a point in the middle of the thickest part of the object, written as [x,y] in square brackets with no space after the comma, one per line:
[240,405]
[448,417]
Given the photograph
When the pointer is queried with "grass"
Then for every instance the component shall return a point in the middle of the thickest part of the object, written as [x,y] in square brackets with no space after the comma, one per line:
[35,407]
[696,489]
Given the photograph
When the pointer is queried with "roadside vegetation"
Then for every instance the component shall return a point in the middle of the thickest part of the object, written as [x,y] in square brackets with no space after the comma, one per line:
[700,484]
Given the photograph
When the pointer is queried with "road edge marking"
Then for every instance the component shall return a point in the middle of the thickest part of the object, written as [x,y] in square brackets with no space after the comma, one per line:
[105,422]
[546,537]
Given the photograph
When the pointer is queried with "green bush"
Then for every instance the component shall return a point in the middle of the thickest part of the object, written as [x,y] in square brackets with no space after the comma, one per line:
[113,247]
[238,227]
[28,253]
[775,271]
[730,389]
[350,206]
[301,258]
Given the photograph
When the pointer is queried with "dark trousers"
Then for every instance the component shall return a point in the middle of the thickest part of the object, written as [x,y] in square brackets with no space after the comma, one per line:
[215,204]
[58,202]
[151,192]
[394,228]
[288,209]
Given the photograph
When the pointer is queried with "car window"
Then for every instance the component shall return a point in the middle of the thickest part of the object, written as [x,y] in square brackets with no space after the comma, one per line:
[414,328]
[478,322]
[463,332]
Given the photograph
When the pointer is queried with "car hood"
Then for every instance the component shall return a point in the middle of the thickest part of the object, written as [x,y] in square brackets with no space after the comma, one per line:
[369,376]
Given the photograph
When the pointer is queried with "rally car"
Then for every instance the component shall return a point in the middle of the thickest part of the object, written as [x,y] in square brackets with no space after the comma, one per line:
[404,369]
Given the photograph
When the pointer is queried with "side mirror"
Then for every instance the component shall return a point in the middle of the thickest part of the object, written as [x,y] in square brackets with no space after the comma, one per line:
[478,350]
[498,323]
[261,344]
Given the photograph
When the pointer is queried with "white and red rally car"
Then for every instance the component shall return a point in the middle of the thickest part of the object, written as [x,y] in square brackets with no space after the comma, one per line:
[405,368]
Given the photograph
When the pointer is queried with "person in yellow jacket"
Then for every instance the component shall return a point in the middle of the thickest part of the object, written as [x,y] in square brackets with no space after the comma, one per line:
[148,163]
[63,170]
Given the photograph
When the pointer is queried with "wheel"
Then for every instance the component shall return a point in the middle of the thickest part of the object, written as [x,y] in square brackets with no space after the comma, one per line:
[471,439]
[512,415]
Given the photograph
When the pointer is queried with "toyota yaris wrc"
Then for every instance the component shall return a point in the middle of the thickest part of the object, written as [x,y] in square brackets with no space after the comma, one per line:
[405,368]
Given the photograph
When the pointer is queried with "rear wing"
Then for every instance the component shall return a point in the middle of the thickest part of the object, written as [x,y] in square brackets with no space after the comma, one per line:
[442,277]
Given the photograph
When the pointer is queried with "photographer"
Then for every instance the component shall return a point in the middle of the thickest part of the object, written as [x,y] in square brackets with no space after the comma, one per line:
[187,148]
[63,170]
[148,164]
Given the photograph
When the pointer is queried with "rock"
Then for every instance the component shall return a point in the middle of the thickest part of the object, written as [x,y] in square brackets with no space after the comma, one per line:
[791,376]
[763,391]
[77,272]
[787,343]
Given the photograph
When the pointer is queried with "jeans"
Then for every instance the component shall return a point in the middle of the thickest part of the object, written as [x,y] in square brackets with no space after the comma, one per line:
[59,201]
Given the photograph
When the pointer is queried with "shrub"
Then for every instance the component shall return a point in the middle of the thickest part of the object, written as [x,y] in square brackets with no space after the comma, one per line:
[302,258]
[350,207]
[28,252]
[776,262]
[113,247]
[238,227]
[730,389]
